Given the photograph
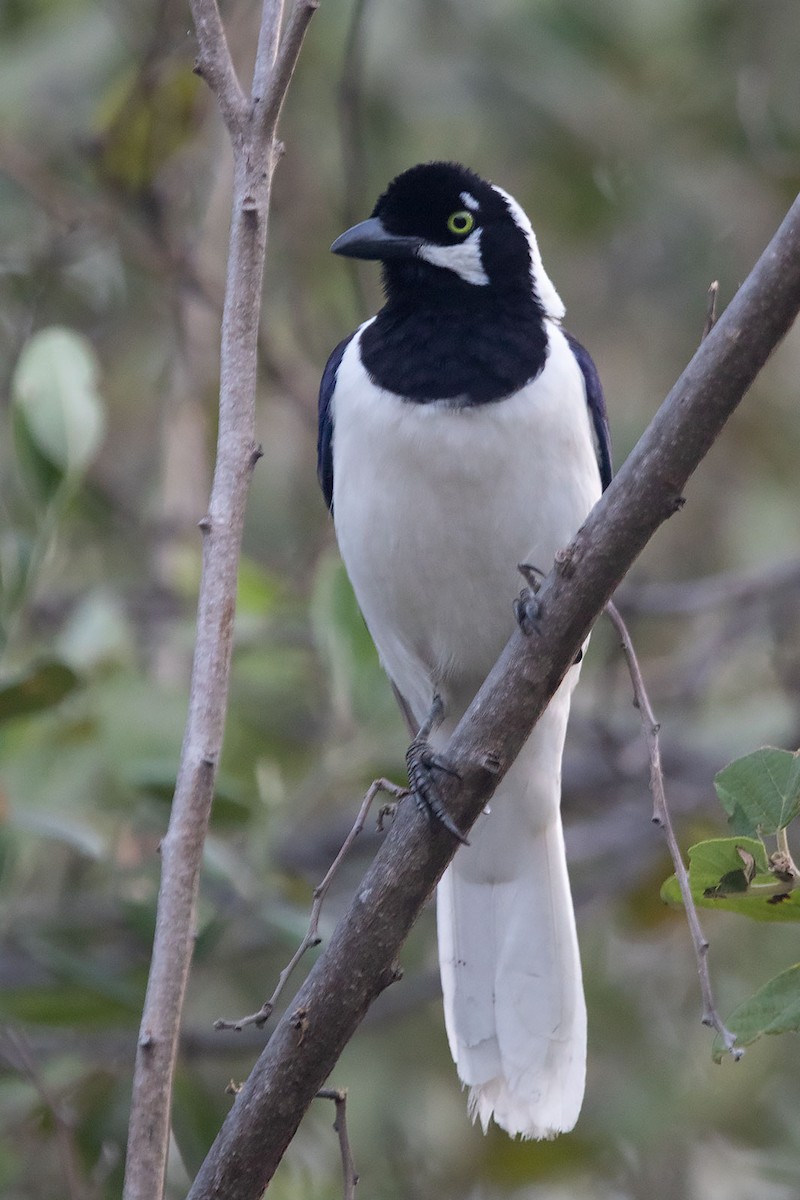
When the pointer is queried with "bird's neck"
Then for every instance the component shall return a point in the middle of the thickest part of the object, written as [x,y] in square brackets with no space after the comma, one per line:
[470,345]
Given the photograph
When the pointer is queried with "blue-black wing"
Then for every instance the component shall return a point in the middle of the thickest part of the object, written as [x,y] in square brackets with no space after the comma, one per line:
[325,435]
[597,407]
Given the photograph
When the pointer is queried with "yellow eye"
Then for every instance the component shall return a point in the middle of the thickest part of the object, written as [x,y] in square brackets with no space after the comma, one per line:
[461,222]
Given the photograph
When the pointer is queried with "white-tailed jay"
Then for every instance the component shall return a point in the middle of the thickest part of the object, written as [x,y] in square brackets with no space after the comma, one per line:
[463,432]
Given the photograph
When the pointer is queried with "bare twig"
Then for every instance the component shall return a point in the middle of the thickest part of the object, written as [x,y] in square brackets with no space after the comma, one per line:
[711,309]
[19,1055]
[252,129]
[214,64]
[312,937]
[661,817]
[269,38]
[784,857]
[349,1173]
[286,59]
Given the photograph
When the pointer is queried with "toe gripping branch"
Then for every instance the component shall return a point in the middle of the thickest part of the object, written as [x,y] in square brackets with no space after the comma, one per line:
[527,606]
[422,762]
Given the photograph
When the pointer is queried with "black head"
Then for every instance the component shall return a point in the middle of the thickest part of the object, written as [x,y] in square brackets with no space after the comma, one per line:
[439,227]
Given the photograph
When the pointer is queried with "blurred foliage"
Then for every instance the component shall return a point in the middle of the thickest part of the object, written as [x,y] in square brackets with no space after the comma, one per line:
[656,146]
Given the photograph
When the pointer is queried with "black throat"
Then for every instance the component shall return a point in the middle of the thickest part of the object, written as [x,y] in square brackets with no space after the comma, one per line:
[440,338]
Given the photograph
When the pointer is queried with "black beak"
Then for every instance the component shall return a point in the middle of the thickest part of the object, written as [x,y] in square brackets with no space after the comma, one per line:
[371,239]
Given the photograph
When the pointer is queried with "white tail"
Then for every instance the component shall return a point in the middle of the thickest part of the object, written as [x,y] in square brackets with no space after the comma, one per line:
[508,950]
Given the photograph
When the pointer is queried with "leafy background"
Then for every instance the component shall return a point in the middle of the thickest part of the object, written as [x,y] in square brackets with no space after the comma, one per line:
[655,146]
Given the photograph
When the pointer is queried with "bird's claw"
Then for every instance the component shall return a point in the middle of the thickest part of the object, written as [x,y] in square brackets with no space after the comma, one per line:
[421,762]
[527,608]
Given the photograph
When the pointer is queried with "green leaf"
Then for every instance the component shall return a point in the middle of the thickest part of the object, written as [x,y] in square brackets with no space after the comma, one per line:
[42,686]
[720,858]
[726,874]
[54,390]
[775,1008]
[761,792]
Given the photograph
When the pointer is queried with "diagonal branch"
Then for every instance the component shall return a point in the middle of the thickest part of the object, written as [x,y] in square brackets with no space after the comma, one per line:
[358,962]
[269,38]
[286,60]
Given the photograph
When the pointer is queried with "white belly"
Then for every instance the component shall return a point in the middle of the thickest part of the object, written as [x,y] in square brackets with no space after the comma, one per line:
[434,506]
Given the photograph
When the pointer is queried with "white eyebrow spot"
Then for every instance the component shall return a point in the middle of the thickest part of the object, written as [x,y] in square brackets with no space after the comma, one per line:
[469,201]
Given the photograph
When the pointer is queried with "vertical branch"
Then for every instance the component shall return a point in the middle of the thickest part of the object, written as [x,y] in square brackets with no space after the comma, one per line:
[254,145]
[349,1172]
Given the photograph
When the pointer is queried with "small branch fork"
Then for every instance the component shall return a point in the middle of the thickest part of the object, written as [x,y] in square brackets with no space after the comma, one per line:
[662,819]
[349,1173]
[251,122]
[312,937]
[214,64]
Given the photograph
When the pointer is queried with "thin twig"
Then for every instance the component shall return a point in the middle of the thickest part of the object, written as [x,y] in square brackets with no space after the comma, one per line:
[286,59]
[661,817]
[349,1173]
[20,1056]
[312,937]
[215,65]
[269,38]
[785,853]
[711,309]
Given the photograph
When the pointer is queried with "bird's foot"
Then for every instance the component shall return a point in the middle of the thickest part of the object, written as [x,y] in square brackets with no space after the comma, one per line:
[422,762]
[527,608]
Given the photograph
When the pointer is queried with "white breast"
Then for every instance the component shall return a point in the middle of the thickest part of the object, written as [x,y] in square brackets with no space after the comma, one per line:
[435,505]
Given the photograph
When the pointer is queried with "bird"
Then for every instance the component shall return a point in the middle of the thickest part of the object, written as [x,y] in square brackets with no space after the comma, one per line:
[463,431]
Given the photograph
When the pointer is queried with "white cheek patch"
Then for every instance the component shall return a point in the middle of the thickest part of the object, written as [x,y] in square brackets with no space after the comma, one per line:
[463,260]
